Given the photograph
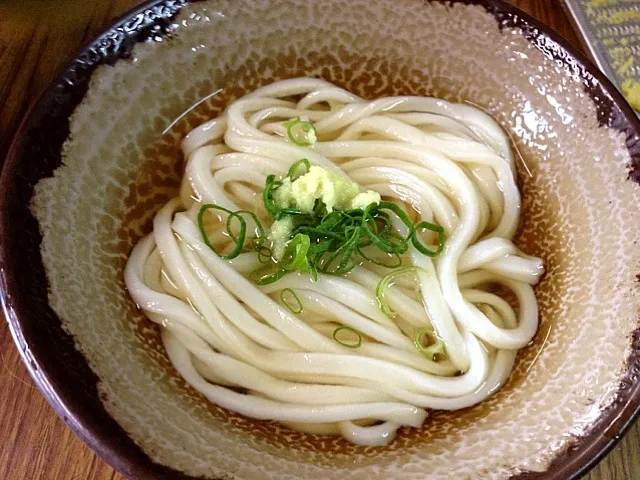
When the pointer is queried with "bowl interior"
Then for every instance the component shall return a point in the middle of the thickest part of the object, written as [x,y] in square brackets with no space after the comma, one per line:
[122,161]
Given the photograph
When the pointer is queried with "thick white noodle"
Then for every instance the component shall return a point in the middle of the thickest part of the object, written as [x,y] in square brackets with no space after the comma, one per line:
[450,163]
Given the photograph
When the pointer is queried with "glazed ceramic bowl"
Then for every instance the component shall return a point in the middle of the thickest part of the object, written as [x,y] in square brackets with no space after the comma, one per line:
[100,153]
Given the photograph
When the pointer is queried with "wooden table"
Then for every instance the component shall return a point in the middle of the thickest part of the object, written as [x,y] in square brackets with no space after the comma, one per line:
[36,38]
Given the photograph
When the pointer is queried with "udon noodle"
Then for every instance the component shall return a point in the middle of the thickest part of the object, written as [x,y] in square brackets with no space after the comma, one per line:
[242,345]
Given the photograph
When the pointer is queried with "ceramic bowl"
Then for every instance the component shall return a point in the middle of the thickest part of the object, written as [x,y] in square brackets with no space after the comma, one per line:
[100,153]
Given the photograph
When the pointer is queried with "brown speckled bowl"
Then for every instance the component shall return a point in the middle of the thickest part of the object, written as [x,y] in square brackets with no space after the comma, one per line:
[99,153]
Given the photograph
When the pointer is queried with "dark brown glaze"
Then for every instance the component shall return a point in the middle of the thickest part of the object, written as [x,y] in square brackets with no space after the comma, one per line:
[585,452]
[613,111]
[59,370]
[62,372]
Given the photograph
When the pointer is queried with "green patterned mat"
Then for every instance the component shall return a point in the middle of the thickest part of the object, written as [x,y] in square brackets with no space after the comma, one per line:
[611,31]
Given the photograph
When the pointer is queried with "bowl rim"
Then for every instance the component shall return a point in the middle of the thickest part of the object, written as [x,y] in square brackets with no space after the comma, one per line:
[579,458]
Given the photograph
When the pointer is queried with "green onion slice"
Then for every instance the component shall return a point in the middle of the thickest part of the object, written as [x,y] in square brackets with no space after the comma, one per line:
[385,282]
[296,301]
[436,348]
[420,246]
[261,235]
[238,240]
[268,274]
[401,214]
[267,195]
[294,168]
[383,241]
[264,254]
[301,133]
[296,251]
[396,264]
[348,344]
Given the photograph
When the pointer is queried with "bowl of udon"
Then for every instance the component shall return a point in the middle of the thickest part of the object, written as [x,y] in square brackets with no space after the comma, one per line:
[269,240]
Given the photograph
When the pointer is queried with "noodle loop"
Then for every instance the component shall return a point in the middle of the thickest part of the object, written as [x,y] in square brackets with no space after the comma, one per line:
[359,349]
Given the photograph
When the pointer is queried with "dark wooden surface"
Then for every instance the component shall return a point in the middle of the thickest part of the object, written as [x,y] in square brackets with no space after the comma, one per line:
[36,38]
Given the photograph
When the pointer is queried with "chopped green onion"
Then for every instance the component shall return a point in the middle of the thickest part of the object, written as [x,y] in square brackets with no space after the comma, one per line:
[267,274]
[295,166]
[238,240]
[257,240]
[385,281]
[296,310]
[355,344]
[420,246]
[301,133]
[325,242]
[436,348]
[345,253]
[267,195]
[264,254]
[289,211]
[396,264]
[297,251]
[382,241]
